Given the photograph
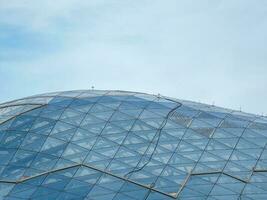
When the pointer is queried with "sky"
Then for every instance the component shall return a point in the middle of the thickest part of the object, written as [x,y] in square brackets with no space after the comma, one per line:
[209,51]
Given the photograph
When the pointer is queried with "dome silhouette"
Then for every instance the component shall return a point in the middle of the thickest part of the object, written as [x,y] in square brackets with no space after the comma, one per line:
[119,145]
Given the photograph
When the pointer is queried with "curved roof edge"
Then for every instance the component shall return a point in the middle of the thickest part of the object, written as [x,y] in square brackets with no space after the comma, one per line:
[63,93]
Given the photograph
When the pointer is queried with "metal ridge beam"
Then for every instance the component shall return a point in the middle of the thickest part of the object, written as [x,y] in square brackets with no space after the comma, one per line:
[90,167]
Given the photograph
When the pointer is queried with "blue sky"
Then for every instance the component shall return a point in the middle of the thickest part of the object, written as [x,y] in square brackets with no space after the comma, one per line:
[206,50]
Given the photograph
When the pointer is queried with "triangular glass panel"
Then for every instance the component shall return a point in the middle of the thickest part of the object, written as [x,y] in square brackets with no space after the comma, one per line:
[52,112]
[33,142]
[118,116]
[230,142]
[44,162]
[133,139]
[215,145]
[124,124]
[111,129]
[61,101]
[107,151]
[141,126]
[77,187]
[23,158]
[233,123]
[103,142]
[53,146]
[179,159]
[156,122]
[81,105]
[222,133]
[63,130]
[110,182]
[43,126]
[12,139]
[94,156]
[90,119]
[22,122]
[103,115]
[75,153]
[128,106]
[112,104]
[147,135]
[146,114]
[132,112]
[62,163]
[100,108]
[94,128]
[117,137]
[125,152]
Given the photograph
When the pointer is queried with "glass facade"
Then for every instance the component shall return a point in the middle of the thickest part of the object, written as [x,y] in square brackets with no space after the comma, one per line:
[116,145]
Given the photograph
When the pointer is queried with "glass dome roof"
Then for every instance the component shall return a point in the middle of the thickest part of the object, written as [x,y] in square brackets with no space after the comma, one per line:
[118,145]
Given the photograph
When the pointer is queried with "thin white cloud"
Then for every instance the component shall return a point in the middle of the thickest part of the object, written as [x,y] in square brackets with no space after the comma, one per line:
[201,50]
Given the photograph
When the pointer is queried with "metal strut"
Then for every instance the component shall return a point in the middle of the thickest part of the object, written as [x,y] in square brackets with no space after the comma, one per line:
[90,167]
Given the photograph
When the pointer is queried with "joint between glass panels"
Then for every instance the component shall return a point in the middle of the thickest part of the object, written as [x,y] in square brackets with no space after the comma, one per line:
[219,172]
[91,167]
[260,170]
[22,104]
[158,134]
[40,105]
[210,173]
[183,184]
